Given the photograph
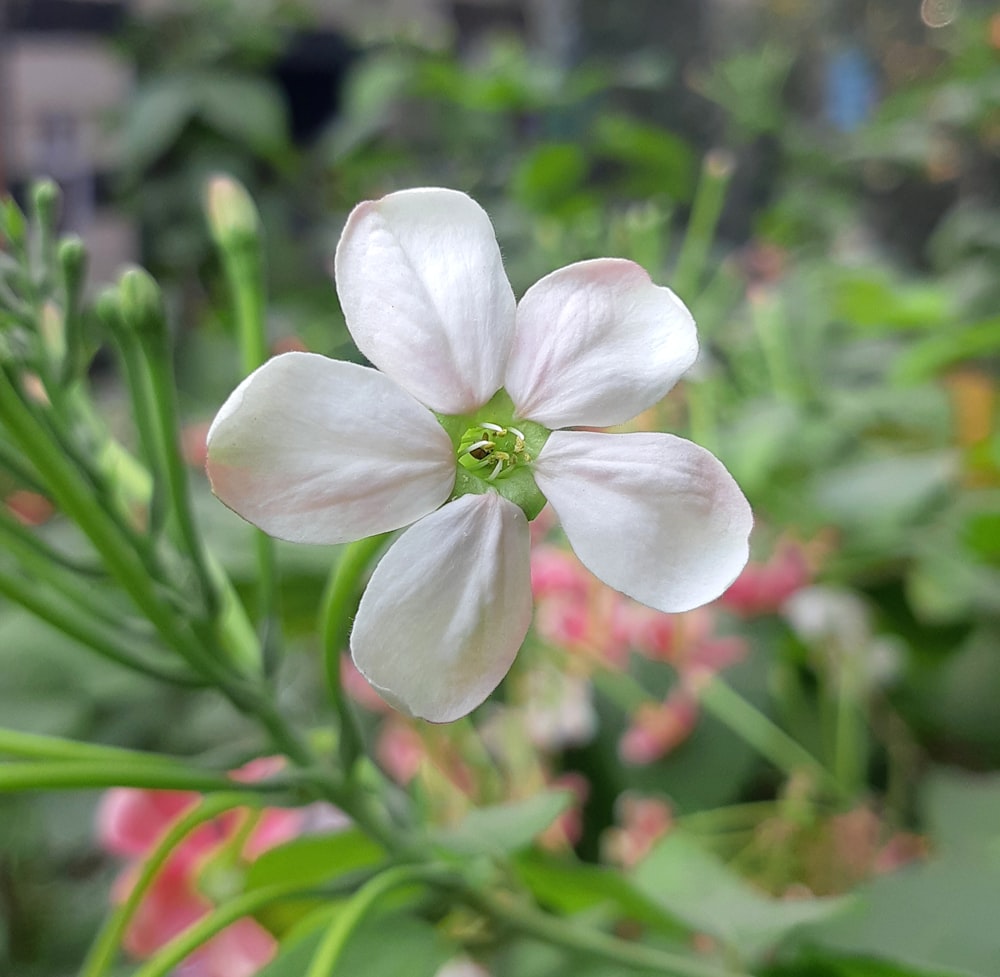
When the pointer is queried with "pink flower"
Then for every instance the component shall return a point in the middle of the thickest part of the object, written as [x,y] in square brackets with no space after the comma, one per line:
[762,588]
[132,822]
[658,728]
[643,821]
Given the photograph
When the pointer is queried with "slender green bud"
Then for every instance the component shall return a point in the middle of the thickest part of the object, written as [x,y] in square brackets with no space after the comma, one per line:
[108,307]
[45,201]
[141,302]
[232,217]
[73,260]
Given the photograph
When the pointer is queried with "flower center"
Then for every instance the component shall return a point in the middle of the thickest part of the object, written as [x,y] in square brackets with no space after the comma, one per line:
[495,454]
[491,450]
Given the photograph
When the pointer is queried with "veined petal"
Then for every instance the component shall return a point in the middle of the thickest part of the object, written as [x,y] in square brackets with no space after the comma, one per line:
[447,609]
[315,450]
[652,515]
[423,289]
[597,343]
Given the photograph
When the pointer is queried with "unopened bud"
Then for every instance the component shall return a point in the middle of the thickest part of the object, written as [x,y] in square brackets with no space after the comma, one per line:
[45,200]
[141,301]
[232,216]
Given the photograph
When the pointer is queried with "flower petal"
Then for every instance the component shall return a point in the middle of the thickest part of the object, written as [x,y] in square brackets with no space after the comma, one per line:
[315,450]
[447,609]
[597,343]
[652,515]
[423,289]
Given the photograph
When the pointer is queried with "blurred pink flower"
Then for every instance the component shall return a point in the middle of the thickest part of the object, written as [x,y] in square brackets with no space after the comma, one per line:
[642,821]
[658,728]
[762,588]
[131,822]
[400,750]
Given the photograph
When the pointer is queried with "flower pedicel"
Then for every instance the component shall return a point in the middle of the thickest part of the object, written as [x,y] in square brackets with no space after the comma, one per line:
[459,432]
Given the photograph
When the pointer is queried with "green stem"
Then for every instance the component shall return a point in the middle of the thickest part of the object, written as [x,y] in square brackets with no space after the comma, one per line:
[108,941]
[767,316]
[93,775]
[34,746]
[350,917]
[159,362]
[710,195]
[97,634]
[242,260]
[143,410]
[848,741]
[75,496]
[201,932]
[339,606]
[768,739]
[593,943]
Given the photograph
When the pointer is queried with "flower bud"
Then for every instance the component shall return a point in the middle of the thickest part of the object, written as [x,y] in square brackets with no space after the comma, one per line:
[45,200]
[232,216]
[141,301]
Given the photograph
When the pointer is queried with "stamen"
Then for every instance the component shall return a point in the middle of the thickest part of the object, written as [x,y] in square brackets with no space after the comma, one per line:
[495,472]
[476,447]
[513,430]
[486,425]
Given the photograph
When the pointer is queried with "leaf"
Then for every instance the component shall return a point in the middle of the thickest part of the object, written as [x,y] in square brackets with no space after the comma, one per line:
[247,109]
[701,890]
[962,811]
[889,489]
[316,859]
[504,828]
[939,918]
[569,887]
[875,300]
[936,353]
[156,118]
[386,945]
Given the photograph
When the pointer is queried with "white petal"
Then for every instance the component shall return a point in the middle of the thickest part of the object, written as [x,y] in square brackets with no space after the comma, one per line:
[597,343]
[423,289]
[653,516]
[447,609]
[315,450]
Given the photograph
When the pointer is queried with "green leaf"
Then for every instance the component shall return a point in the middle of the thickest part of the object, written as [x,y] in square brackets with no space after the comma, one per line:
[701,890]
[156,117]
[962,810]
[938,918]
[875,300]
[653,161]
[313,860]
[504,828]
[930,357]
[247,109]
[570,887]
[889,489]
[387,945]
[549,178]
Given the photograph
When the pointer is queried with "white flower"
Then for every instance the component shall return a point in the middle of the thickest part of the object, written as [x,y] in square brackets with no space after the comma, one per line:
[451,434]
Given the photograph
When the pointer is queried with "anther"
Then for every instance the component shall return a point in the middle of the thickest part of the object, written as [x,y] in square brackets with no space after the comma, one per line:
[475,447]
